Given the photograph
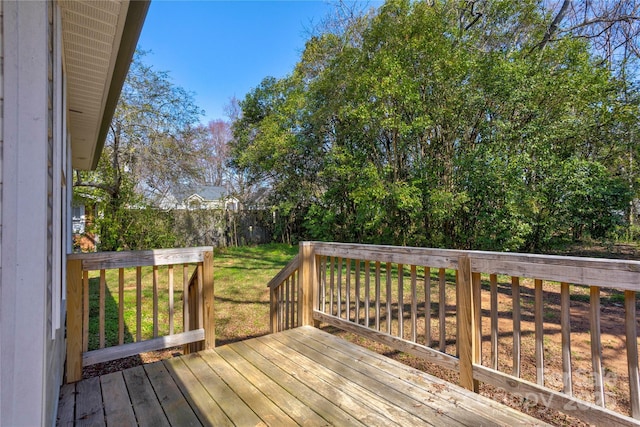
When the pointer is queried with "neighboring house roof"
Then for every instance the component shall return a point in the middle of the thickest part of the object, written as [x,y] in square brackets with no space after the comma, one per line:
[206,193]
[179,198]
[99,42]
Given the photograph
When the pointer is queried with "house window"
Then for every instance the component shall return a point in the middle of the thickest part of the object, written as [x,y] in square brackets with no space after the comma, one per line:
[78,219]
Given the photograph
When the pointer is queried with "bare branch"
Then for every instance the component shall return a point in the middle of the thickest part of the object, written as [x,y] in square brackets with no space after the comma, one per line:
[553,28]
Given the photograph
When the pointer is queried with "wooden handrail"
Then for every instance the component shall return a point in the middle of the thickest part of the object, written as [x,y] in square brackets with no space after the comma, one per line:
[283,274]
[197,311]
[331,277]
[283,292]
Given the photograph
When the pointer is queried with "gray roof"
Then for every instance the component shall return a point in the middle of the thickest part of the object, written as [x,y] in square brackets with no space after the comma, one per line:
[207,192]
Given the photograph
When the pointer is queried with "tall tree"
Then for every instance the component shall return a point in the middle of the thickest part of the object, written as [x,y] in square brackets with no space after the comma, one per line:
[216,152]
[447,123]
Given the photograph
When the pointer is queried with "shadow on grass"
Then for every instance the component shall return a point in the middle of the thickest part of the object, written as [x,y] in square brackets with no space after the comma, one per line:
[239,301]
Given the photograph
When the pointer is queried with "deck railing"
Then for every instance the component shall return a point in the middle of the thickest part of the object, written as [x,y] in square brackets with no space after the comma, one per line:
[90,340]
[447,306]
[283,291]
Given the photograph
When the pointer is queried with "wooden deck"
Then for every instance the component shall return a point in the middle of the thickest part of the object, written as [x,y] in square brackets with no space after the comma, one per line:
[301,376]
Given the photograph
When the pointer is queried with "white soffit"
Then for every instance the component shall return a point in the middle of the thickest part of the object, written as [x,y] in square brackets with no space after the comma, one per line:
[91,32]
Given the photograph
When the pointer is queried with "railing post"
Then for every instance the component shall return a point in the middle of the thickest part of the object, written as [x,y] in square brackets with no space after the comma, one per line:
[208,291]
[467,340]
[74,320]
[306,284]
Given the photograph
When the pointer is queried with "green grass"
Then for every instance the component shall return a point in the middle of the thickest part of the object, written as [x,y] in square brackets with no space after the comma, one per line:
[242,298]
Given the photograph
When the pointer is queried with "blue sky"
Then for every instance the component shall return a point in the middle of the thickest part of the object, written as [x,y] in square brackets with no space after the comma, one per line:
[218,49]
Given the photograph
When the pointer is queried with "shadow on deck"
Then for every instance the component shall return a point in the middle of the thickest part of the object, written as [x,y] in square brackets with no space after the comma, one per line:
[302,376]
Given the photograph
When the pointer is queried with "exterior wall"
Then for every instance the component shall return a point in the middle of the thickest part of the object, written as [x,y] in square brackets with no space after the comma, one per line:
[1,144]
[33,209]
[57,211]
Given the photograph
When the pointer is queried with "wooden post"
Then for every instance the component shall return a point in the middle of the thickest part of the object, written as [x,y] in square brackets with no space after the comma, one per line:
[466,325]
[208,303]
[306,285]
[74,320]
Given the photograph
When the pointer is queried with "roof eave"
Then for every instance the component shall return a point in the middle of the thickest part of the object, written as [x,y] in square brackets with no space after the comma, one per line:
[136,15]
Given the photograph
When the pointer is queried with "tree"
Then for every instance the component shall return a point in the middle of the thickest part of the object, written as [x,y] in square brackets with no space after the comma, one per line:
[216,152]
[460,124]
[153,144]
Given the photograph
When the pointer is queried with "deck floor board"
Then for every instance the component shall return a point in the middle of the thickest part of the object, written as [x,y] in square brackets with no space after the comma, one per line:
[117,406]
[89,410]
[143,398]
[302,376]
[202,404]
[173,403]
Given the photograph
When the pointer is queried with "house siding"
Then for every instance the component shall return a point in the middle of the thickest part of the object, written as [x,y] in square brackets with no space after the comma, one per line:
[56,167]
[1,144]
[31,248]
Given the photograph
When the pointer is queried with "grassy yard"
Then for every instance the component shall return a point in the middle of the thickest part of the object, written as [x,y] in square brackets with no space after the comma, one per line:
[242,298]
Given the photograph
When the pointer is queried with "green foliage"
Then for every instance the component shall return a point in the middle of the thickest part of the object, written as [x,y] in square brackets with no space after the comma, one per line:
[445,127]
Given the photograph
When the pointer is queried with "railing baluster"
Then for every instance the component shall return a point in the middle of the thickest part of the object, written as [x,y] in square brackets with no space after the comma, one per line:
[121,306]
[102,307]
[357,316]
[477,317]
[155,301]
[632,352]
[287,287]
[185,298]
[367,296]
[171,308]
[331,287]
[401,300]
[414,306]
[273,309]
[339,280]
[539,319]
[200,300]
[138,304]
[515,301]
[596,344]
[283,302]
[377,295]
[442,303]
[565,326]
[323,284]
[295,280]
[427,306]
[389,312]
[276,315]
[348,290]
[493,279]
